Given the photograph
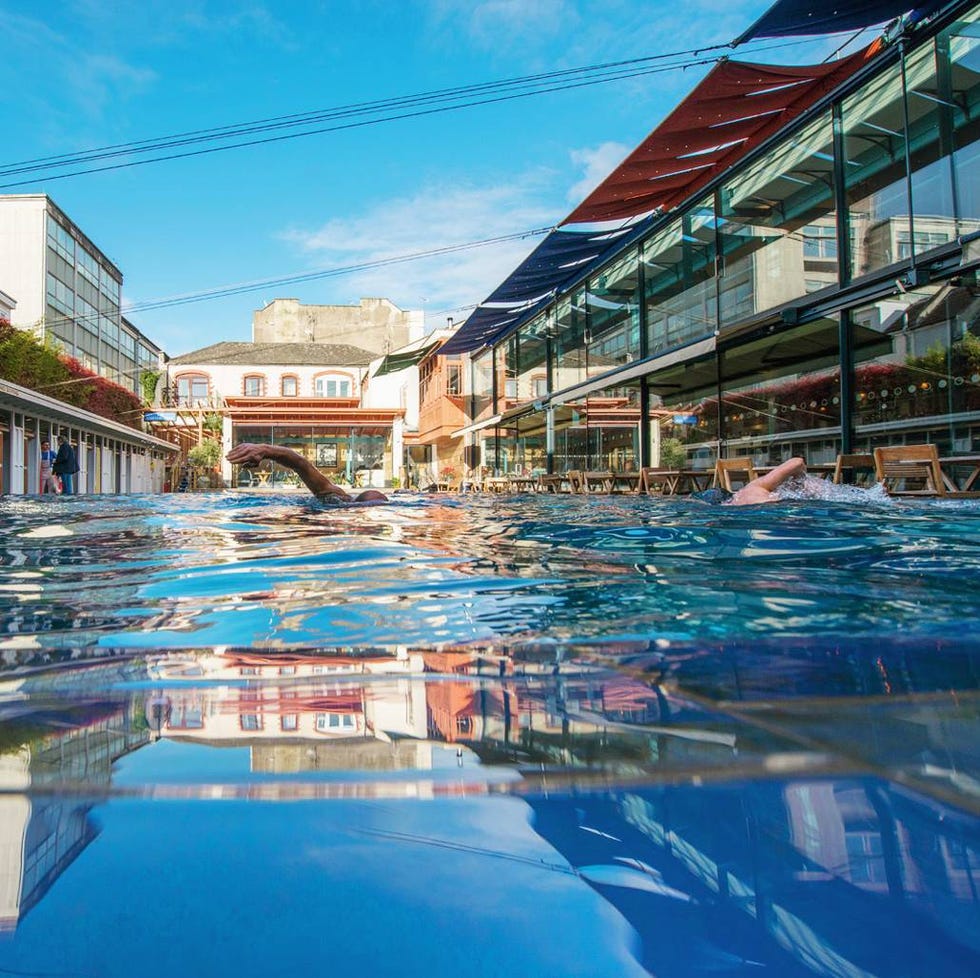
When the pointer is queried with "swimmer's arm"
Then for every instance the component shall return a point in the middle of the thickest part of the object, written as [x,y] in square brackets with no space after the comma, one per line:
[251,455]
[771,481]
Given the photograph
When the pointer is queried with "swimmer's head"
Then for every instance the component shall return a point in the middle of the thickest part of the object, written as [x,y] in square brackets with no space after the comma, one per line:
[714,496]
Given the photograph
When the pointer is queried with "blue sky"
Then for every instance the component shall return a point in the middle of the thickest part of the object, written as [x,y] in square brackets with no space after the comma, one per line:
[92,73]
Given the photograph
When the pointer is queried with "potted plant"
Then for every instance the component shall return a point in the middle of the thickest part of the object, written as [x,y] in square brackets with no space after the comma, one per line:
[206,457]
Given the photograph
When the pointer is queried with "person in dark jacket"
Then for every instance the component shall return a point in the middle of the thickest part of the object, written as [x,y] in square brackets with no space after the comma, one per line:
[65,465]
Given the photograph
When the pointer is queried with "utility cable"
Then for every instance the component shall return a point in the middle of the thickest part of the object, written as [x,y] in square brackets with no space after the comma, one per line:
[40,167]
[258,284]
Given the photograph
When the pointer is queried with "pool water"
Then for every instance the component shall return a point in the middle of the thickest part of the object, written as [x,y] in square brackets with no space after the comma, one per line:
[534,735]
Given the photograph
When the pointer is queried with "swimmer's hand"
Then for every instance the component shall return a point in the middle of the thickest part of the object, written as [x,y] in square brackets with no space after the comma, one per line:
[248,455]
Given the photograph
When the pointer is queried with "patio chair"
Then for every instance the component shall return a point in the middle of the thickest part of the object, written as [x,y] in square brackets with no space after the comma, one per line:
[850,467]
[733,473]
[575,479]
[910,470]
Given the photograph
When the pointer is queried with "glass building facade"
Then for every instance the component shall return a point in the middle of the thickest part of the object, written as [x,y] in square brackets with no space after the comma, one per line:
[819,297]
[82,307]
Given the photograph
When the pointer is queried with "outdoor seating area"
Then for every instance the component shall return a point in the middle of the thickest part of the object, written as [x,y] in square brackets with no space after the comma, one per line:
[906,470]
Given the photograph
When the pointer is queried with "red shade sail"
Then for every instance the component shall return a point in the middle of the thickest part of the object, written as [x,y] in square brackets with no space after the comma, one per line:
[735,108]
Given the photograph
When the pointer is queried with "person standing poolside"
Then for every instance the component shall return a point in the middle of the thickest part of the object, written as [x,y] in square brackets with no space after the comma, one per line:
[759,490]
[66,465]
[49,481]
[250,455]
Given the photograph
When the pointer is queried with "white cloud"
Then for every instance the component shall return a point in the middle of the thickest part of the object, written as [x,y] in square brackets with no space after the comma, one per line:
[492,23]
[598,162]
[433,218]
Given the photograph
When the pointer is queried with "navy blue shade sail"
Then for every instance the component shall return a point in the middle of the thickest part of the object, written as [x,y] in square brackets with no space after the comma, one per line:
[560,258]
[791,18]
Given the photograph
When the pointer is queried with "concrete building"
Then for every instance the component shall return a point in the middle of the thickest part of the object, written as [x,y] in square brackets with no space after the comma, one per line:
[376,325]
[68,290]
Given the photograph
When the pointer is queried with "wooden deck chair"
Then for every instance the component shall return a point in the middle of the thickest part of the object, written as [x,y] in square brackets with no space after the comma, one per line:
[575,479]
[733,473]
[910,470]
[850,467]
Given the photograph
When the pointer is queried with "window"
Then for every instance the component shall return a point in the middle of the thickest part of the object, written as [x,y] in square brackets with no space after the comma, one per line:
[334,721]
[333,385]
[250,721]
[454,378]
[289,721]
[62,242]
[254,385]
[192,389]
[820,241]
[290,386]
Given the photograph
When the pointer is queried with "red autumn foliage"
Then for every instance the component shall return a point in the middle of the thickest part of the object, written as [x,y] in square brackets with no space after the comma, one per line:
[101,396]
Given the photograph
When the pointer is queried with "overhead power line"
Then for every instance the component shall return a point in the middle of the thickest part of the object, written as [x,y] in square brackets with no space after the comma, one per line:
[257,285]
[351,116]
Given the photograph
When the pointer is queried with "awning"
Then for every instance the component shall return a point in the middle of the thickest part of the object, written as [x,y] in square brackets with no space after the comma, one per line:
[561,258]
[394,362]
[788,18]
[734,109]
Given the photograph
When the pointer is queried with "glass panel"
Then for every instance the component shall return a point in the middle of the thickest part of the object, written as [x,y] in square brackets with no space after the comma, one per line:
[684,402]
[482,386]
[569,346]
[679,278]
[932,185]
[778,225]
[964,59]
[781,394]
[613,420]
[522,446]
[532,367]
[917,373]
[505,356]
[613,302]
[875,187]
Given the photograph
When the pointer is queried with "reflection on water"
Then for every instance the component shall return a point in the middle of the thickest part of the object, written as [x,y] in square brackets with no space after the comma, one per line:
[367,803]
[591,737]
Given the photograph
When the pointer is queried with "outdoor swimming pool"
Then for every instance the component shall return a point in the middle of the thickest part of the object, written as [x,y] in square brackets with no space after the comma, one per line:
[537,735]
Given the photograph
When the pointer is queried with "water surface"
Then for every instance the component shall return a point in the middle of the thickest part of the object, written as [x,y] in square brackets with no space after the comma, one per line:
[484,735]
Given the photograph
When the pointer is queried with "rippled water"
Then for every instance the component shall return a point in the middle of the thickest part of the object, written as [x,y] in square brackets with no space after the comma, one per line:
[533,735]
[198,570]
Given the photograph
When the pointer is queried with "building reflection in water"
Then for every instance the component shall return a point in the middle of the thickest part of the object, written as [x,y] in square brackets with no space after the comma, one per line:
[677,816]
[42,831]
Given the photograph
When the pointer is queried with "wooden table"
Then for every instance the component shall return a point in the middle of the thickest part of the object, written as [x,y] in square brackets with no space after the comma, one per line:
[950,463]
[691,480]
[626,481]
[673,482]
[550,483]
[601,480]
[522,483]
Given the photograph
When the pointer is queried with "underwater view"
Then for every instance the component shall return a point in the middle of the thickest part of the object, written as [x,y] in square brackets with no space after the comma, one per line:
[546,735]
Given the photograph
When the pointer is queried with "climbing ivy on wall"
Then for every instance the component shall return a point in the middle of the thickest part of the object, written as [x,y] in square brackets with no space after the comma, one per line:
[28,363]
